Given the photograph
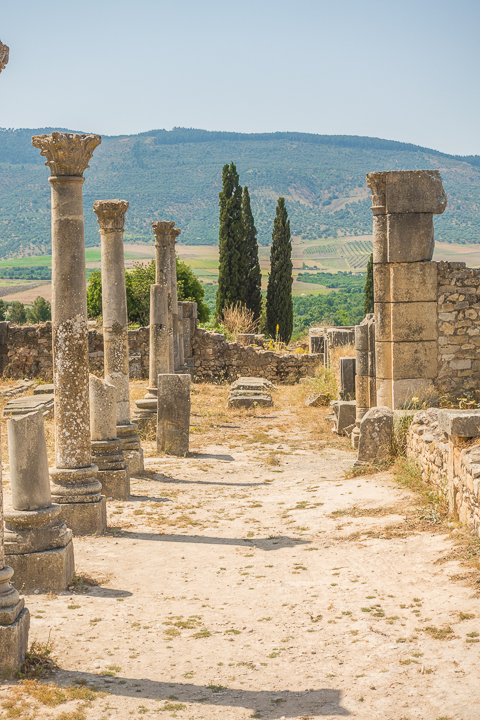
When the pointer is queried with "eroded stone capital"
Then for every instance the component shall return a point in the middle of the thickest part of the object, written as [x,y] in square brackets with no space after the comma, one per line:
[111,214]
[175,232]
[162,230]
[4,52]
[66,153]
[376,183]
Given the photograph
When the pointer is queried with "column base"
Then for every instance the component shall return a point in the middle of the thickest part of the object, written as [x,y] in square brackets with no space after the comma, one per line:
[14,642]
[115,483]
[146,409]
[355,437]
[112,469]
[87,518]
[47,571]
[132,450]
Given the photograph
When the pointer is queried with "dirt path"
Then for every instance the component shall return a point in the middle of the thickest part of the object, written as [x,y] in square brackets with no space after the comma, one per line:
[256,579]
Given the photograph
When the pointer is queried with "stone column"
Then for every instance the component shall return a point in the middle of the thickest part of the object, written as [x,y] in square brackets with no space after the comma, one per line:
[405,282]
[14,617]
[75,484]
[111,219]
[189,326]
[106,447]
[173,427]
[174,233]
[161,345]
[38,544]
[181,350]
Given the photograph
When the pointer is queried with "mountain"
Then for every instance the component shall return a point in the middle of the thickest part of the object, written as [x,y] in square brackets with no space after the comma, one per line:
[177,175]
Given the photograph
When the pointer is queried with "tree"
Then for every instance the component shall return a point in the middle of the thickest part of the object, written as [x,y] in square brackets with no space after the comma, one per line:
[3,309]
[368,306]
[94,294]
[40,311]
[253,280]
[232,261]
[279,289]
[16,313]
[190,288]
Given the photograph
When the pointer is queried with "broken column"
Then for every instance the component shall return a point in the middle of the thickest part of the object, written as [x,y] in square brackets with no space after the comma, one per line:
[181,350]
[405,283]
[38,544]
[161,344]
[173,426]
[189,326]
[173,234]
[111,219]
[106,447]
[365,385]
[14,616]
[75,484]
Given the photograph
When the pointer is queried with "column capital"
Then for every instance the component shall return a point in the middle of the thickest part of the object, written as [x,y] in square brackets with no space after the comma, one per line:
[4,51]
[174,233]
[377,184]
[66,153]
[162,230]
[110,214]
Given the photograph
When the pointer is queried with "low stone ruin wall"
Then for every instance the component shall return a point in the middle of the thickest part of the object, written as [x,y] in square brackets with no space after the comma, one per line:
[450,463]
[218,360]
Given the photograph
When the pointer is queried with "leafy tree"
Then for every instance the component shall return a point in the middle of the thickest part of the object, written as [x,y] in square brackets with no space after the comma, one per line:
[368,307]
[16,313]
[190,288]
[279,289]
[138,292]
[232,261]
[94,294]
[253,280]
[40,311]
[3,309]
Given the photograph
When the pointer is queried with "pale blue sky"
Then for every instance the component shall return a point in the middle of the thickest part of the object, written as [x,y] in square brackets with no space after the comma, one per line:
[406,70]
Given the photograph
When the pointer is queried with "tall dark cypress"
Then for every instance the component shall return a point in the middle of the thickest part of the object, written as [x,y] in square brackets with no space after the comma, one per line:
[368,291]
[231,271]
[253,280]
[279,289]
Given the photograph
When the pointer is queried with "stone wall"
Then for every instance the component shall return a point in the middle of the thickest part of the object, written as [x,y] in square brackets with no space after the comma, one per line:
[218,360]
[449,463]
[458,329]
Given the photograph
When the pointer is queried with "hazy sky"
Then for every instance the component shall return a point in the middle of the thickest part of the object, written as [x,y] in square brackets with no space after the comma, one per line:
[403,70]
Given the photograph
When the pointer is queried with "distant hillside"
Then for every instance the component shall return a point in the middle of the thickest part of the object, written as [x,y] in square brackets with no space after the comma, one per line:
[177,175]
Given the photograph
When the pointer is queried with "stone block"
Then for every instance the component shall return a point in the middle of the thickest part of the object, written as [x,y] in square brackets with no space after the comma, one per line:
[248,401]
[316,340]
[44,389]
[460,423]
[372,391]
[347,378]
[86,518]
[413,282]
[47,571]
[375,440]
[383,322]
[14,643]
[361,390]
[361,362]
[25,405]
[414,191]
[345,415]
[115,483]
[173,423]
[383,359]
[413,360]
[384,392]
[381,283]
[380,239]
[410,237]
[403,322]
[361,338]
[404,390]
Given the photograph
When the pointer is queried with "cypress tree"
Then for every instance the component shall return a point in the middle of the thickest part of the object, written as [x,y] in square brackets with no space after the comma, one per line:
[232,267]
[368,305]
[279,289]
[253,280]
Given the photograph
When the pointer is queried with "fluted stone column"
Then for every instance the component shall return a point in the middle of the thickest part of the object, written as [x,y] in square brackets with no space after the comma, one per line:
[111,219]
[405,282]
[14,617]
[38,544]
[75,484]
[161,345]
[174,233]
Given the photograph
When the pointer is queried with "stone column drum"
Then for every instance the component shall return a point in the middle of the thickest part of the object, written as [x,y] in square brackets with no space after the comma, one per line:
[111,219]
[173,428]
[75,484]
[14,616]
[405,282]
[106,447]
[181,349]
[189,326]
[38,544]
[174,233]
[161,348]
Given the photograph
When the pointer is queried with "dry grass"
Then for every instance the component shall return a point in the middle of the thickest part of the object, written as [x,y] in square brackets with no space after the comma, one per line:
[238,319]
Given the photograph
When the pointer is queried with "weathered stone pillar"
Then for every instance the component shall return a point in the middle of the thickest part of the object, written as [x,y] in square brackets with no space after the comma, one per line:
[106,447]
[75,484]
[174,233]
[111,219]
[14,617]
[181,350]
[173,427]
[189,326]
[38,544]
[405,282]
[161,343]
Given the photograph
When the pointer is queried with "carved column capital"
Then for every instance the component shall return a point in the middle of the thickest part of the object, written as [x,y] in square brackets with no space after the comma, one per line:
[162,230]
[110,214]
[66,153]
[174,233]
[377,184]
[4,51]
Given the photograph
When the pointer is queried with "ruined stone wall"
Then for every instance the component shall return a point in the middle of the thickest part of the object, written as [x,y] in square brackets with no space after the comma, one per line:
[218,360]
[450,467]
[458,329]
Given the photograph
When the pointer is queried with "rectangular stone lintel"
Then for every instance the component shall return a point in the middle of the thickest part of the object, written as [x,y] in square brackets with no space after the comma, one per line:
[460,423]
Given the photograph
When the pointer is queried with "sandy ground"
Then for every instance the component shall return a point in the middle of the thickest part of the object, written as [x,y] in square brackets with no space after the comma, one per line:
[258,579]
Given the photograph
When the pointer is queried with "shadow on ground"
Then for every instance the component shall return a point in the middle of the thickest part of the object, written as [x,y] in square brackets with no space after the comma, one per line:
[275,543]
